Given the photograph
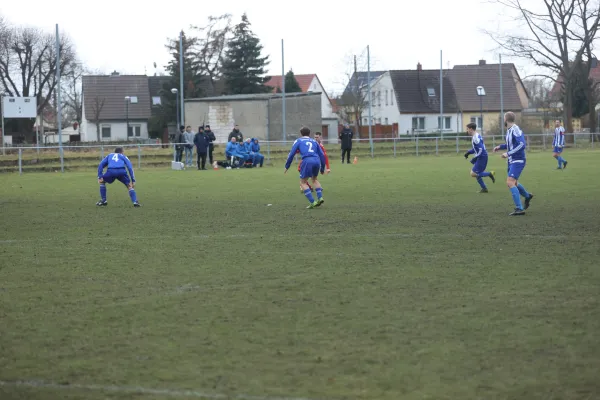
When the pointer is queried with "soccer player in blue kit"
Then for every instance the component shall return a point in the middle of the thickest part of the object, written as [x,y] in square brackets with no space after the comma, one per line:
[515,146]
[480,160]
[117,166]
[313,161]
[559,144]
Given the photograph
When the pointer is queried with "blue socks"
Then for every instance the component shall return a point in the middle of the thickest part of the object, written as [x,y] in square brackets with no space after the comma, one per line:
[319,193]
[103,192]
[309,196]
[480,181]
[133,195]
[485,174]
[522,191]
[514,191]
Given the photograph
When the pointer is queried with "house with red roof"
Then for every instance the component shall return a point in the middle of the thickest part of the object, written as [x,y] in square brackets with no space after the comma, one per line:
[308,83]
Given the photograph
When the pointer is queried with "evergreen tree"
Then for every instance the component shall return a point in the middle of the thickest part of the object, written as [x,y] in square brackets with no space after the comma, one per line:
[192,76]
[244,67]
[291,84]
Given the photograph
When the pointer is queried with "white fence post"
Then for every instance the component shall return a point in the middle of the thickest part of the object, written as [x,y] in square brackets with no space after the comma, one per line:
[139,156]
[417,146]
[437,147]
[20,161]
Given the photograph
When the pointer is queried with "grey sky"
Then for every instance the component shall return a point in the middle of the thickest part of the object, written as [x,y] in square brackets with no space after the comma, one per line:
[129,35]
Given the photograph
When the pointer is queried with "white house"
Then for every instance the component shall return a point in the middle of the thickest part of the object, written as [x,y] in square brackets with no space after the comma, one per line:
[411,98]
[115,107]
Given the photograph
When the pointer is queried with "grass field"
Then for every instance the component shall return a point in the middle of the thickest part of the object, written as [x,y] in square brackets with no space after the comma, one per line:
[406,284]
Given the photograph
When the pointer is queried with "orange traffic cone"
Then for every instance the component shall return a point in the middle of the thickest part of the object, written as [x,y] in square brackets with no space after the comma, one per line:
[355,160]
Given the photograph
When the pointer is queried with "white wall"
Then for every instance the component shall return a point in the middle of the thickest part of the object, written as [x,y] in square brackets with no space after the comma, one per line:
[384,108]
[326,109]
[431,123]
[118,130]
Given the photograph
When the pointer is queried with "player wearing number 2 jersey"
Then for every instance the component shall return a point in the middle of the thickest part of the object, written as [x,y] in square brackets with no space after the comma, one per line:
[313,161]
[117,167]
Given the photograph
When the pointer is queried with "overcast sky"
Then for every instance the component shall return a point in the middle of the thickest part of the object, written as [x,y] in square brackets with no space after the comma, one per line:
[320,36]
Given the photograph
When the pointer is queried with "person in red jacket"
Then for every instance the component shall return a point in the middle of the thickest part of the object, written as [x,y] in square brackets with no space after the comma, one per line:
[319,139]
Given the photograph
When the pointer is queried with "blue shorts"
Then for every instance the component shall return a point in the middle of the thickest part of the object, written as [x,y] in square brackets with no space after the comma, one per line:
[558,149]
[480,165]
[309,168]
[515,170]
[119,174]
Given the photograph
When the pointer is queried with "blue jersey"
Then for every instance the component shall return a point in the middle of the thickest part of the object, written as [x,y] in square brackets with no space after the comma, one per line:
[515,145]
[559,137]
[478,147]
[308,149]
[116,161]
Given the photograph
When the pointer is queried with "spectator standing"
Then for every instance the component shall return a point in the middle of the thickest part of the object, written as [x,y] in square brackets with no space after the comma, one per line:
[346,138]
[201,142]
[179,142]
[210,135]
[237,134]
[188,137]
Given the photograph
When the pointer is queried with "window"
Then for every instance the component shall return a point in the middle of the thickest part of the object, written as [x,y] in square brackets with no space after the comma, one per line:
[477,121]
[378,98]
[373,98]
[418,123]
[386,98]
[105,131]
[156,101]
[431,92]
[364,121]
[134,130]
[392,97]
[133,99]
[386,121]
[447,122]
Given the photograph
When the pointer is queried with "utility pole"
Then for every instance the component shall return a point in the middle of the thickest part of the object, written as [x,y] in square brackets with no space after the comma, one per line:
[370,98]
[356,99]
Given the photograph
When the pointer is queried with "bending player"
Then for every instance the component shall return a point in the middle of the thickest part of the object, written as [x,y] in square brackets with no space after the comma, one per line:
[318,139]
[117,166]
[480,160]
[313,161]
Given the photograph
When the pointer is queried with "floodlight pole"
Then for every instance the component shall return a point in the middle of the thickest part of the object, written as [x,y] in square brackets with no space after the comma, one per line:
[3,133]
[58,107]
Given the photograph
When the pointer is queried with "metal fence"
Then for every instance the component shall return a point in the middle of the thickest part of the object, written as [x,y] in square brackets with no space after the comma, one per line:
[85,157]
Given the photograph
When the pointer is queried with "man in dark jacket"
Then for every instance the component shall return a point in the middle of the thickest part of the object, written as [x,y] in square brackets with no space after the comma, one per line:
[210,136]
[346,139]
[236,134]
[179,143]
[201,143]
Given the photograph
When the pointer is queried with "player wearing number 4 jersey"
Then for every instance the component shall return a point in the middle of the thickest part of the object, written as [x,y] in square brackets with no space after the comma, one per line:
[117,167]
[313,161]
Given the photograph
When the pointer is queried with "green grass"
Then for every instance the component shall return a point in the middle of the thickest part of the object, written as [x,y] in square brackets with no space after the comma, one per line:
[406,284]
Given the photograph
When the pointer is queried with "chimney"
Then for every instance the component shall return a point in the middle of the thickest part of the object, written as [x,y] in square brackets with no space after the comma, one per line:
[114,73]
[419,67]
[481,62]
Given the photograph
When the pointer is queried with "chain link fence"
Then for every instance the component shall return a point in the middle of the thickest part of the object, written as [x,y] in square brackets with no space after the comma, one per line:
[86,157]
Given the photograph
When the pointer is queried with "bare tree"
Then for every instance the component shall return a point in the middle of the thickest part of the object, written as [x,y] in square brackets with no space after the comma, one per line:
[555,38]
[210,47]
[28,63]
[96,109]
[72,100]
[539,91]
[354,99]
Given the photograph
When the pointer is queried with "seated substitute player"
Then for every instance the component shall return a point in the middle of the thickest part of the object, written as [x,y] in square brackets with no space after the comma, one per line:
[559,144]
[313,161]
[117,165]
[318,139]
[515,144]
[480,160]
